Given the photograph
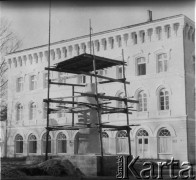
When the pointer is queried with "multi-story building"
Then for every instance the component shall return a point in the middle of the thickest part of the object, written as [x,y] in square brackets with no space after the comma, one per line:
[160,68]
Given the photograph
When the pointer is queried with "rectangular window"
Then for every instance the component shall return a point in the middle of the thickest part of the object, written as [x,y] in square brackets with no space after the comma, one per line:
[150,34]
[45,80]
[32,146]
[19,84]
[159,33]
[168,31]
[162,63]
[142,35]
[100,72]
[141,69]
[119,41]
[62,77]
[44,146]
[19,146]
[134,36]
[82,79]
[119,72]
[165,145]
[33,82]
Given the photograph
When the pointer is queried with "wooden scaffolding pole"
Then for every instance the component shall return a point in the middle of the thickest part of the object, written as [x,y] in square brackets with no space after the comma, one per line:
[126,105]
[48,92]
[98,105]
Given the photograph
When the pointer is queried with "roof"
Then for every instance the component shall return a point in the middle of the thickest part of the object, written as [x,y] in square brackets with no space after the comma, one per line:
[103,32]
[84,63]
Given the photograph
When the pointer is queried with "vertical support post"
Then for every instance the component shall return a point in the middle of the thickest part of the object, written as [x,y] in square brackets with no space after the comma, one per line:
[98,112]
[90,28]
[48,92]
[73,89]
[126,106]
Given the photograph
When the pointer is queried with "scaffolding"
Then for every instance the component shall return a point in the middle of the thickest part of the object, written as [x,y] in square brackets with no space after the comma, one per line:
[88,65]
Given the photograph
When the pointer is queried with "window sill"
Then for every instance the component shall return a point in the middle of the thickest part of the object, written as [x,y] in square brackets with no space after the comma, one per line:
[165,153]
[164,112]
[142,114]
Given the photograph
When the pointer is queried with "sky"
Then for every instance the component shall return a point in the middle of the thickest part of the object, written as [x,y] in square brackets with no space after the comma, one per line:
[29,20]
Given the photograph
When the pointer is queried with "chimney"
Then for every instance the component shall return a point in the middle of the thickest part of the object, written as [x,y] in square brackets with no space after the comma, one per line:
[149,15]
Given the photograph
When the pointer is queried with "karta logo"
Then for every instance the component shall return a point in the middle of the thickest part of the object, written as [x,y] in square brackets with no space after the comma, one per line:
[149,169]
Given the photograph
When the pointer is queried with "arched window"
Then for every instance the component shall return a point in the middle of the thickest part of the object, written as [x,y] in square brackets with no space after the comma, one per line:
[164,99]
[141,66]
[162,64]
[61,143]
[19,112]
[164,137]
[142,143]
[32,141]
[32,111]
[142,132]
[121,104]
[105,139]
[44,143]
[122,143]
[19,144]
[142,98]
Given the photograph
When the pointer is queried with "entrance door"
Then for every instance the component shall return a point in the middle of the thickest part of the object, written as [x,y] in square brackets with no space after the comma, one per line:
[142,143]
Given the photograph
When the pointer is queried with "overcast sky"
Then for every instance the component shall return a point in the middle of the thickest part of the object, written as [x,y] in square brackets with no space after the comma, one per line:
[71,19]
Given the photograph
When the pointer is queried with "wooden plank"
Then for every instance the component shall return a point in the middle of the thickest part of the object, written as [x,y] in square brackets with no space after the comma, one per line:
[69,102]
[67,84]
[110,97]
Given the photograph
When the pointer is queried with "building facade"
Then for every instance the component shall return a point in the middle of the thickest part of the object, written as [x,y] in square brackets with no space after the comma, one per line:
[160,68]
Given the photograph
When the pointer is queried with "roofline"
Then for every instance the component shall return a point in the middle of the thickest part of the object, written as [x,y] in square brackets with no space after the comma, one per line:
[102,32]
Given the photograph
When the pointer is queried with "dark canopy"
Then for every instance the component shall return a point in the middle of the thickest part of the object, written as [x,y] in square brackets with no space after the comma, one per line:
[84,62]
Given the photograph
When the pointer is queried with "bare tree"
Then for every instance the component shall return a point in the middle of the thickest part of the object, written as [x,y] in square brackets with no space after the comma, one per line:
[8,43]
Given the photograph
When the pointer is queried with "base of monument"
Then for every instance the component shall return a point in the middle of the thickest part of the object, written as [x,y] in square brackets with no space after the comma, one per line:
[90,165]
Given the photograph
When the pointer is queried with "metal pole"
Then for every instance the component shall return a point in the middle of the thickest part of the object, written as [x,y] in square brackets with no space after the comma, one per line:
[48,93]
[126,106]
[98,112]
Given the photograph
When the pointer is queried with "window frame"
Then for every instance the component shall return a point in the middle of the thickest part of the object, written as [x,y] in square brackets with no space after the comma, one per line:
[43,143]
[33,82]
[141,66]
[164,136]
[143,107]
[19,112]
[32,111]
[165,99]
[163,61]
[34,141]
[64,139]
[19,84]
[21,144]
